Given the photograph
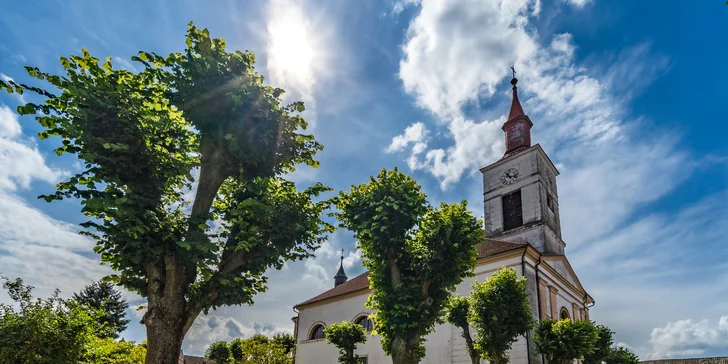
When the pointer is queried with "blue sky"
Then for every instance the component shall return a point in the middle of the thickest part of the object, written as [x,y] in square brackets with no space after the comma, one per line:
[626,97]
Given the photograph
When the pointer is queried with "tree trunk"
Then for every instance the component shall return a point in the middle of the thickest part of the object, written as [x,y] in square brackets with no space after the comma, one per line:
[403,352]
[166,311]
[164,343]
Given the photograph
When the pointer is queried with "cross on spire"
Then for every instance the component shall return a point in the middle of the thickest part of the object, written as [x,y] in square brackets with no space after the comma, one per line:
[513,69]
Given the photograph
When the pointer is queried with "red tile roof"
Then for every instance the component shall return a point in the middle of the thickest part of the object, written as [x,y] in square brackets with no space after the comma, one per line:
[361,282]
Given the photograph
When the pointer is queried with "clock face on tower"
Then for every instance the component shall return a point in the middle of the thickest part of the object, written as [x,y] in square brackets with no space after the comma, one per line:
[509,176]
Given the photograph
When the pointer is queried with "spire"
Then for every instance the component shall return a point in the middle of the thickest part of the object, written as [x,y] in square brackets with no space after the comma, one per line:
[518,126]
[516,109]
[340,276]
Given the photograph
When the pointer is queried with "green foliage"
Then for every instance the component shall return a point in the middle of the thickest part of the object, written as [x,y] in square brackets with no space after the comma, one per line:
[140,136]
[416,255]
[287,341]
[259,349]
[619,355]
[346,336]
[565,340]
[102,296]
[110,351]
[602,347]
[457,312]
[51,330]
[219,352]
[499,313]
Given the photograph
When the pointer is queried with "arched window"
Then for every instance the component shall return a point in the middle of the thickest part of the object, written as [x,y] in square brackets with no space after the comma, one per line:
[564,314]
[365,322]
[317,332]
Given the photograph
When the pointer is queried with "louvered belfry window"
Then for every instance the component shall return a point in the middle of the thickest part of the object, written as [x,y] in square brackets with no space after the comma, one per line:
[512,211]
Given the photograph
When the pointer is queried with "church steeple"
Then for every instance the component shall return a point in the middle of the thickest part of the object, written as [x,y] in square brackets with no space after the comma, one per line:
[340,276]
[518,126]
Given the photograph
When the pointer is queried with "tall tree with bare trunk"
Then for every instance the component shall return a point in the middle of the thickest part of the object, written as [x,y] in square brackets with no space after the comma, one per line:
[142,135]
[416,255]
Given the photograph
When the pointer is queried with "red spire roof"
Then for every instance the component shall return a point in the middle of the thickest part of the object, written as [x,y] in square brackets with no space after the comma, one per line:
[516,109]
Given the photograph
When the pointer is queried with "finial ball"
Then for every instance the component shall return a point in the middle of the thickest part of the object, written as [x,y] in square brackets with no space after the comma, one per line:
[514,81]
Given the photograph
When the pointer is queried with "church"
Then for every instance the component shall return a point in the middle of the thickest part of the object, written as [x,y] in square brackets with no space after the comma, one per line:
[522,231]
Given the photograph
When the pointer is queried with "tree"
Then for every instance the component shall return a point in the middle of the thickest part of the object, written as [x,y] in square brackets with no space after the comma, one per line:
[619,355]
[565,340]
[287,341]
[236,349]
[602,347]
[416,255]
[44,331]
[499,313]
[141,136]
[457,315]
[102,296]
[110,351]
[219,352]
[346,336]
[256,351]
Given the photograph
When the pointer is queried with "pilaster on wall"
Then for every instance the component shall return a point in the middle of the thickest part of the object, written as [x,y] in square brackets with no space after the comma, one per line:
[543,296]
[576,313]
[554,305]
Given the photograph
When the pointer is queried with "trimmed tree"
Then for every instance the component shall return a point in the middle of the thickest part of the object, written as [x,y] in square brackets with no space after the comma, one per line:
[287,341]
[602,347]
[565,340]
[110,351]
[103,296]
[457,315]
[219,352]
[620,355]
[346,336]
[141,136]
[416,255]
[500,313]
[45,331]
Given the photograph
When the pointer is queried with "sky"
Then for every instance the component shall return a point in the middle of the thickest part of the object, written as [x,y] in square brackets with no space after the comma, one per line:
[627,98]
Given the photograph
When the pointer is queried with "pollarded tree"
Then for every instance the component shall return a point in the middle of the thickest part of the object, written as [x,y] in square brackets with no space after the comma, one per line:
[287,341]
[416,255]
[141,135]
[565,340]
[457,314]
[346,336]
[499,313]
[620,355]
[602,347]
[103,296]
[219,352]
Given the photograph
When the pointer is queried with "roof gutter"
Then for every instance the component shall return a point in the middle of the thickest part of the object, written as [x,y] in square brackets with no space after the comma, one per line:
[295,333]
[523,274]
[538,298]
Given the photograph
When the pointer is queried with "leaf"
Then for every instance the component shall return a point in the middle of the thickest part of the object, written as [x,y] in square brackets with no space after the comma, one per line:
[184,245]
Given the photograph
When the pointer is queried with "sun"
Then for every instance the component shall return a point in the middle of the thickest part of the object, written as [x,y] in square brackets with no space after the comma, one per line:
[291,47]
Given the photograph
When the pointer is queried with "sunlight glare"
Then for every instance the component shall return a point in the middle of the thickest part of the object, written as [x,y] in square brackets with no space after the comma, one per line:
[290,50]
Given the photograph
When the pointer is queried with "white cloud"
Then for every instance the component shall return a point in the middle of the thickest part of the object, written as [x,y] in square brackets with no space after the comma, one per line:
[689,338]
[20,158]
[578,3]
[415,133]
[125,64]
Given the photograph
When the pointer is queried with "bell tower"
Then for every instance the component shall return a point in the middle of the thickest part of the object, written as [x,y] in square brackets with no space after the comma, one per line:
[520,196]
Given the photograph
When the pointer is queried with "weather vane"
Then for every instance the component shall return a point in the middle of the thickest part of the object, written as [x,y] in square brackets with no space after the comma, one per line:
[513,68]
[342,253]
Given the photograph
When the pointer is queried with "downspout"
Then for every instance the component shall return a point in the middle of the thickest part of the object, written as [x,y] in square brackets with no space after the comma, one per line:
[295,333]
[538,297]
[523,274]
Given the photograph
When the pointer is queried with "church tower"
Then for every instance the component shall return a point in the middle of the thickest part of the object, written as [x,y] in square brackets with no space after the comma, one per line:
[520,196]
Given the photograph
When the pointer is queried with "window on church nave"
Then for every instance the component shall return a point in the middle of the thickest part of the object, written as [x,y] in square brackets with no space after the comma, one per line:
[564,314]
[512,211]
[365,322]
[317,333]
